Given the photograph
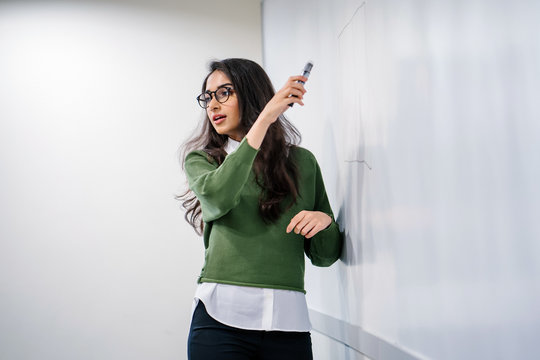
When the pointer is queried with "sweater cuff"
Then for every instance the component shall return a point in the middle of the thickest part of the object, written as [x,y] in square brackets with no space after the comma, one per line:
[244,153]
[244,143]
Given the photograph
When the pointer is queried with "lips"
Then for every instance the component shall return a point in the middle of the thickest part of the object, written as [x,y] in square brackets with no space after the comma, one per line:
[218,118]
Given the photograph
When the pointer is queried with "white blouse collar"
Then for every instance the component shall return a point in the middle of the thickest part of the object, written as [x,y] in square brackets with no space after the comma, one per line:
[231,145]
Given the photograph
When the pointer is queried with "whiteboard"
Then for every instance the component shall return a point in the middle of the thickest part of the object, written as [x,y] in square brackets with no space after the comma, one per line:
[425,120]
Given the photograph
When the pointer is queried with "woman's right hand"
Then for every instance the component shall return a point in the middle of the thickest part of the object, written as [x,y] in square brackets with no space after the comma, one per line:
[291,92]
[275,107]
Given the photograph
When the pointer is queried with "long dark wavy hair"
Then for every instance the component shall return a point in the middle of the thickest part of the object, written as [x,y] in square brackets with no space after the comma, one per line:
[276,171]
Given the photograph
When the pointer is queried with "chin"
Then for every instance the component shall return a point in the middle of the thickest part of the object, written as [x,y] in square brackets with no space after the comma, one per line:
[219,131]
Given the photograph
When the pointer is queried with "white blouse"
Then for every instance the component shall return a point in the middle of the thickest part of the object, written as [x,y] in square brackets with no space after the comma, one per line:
[254,308]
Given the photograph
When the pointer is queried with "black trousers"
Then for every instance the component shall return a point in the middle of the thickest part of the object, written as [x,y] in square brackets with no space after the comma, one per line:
[211,340]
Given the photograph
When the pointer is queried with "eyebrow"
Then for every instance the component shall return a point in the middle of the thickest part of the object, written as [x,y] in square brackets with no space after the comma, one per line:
[220,86]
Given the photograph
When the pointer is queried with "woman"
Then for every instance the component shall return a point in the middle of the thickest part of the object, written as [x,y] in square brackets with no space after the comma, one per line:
[263,204]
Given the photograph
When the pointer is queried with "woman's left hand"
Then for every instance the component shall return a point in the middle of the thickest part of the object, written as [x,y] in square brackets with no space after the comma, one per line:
[309,223]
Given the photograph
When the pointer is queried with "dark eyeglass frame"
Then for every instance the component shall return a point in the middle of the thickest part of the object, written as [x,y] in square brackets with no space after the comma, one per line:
[204,103]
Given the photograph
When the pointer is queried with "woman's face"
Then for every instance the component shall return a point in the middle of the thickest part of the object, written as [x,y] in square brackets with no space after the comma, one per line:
[225,117]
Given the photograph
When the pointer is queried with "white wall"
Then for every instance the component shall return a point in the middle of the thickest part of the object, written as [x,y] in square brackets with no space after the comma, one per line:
[426,121]
[96,260]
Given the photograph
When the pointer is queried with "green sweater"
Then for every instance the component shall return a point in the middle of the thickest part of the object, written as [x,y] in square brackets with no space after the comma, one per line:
[240,248]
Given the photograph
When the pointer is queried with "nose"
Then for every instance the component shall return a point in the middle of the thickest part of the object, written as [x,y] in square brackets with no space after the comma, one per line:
[213,104]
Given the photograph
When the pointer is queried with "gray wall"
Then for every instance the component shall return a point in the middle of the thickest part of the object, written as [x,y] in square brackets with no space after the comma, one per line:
[96,260]
[426,121]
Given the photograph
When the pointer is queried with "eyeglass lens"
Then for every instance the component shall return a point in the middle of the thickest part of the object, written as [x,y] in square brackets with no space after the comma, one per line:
[222,95]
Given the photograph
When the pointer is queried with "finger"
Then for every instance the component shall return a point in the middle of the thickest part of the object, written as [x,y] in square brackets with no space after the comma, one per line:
[296,93]
[297,78]
[313,231]
[295,100]
[308,228]
[303,226]
[298,86]
[290,100]
[288,90]
[295,220]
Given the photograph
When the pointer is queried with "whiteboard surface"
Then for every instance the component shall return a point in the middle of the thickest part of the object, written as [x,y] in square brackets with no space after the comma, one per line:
[425,119]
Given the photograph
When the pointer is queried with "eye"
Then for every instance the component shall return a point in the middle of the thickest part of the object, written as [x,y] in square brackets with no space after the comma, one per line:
[223,93]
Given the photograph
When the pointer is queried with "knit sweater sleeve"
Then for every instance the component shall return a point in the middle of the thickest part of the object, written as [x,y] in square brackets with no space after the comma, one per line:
[324,248]
[218,188]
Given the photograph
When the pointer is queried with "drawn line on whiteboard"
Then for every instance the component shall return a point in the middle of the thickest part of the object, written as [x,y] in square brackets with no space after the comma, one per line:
[359,161]
[351,19]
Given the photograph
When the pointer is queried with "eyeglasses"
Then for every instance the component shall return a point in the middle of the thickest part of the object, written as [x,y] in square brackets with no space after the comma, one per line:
[222,94]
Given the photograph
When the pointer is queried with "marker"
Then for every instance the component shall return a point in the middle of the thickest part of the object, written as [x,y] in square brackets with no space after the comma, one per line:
[307,71]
